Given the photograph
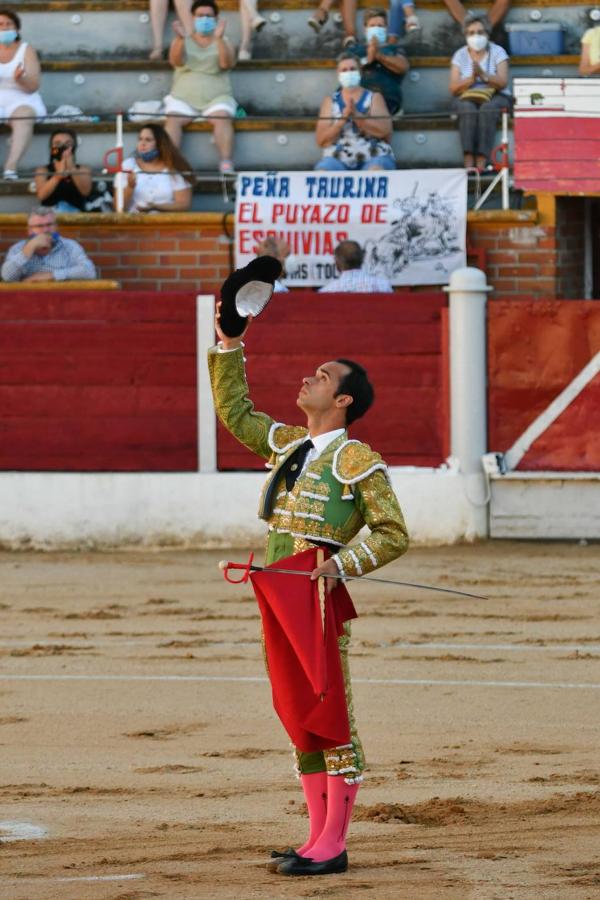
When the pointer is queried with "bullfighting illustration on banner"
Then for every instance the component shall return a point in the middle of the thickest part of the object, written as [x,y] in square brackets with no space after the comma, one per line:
[411,223]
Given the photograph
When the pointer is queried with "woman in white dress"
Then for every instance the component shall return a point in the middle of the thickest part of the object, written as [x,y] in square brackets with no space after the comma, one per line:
[153,178]
[20,102]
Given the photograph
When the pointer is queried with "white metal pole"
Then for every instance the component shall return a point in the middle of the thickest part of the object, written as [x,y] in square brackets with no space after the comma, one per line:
[505,170]
[468,383]
[119,180]
[206,419]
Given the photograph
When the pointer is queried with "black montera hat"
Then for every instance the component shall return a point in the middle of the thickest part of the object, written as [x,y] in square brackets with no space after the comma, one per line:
[246,293]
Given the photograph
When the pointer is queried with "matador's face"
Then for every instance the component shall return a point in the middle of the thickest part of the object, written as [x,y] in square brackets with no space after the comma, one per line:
[318,391]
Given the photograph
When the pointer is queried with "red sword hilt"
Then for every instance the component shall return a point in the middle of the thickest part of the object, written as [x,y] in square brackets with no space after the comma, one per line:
[226,567]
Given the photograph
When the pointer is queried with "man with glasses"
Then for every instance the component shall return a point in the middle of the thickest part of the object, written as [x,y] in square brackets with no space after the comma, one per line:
[46,256]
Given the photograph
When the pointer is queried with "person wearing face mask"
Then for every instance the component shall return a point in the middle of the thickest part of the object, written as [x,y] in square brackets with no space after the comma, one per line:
[478,84]
[152,178]
[20,102]
[46,256]
[63,183]
[354,127]
[384,64]
[202,57]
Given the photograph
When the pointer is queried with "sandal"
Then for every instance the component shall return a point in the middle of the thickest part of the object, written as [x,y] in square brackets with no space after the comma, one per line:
[318,19]
[412,24]
[349,41]
[226,167]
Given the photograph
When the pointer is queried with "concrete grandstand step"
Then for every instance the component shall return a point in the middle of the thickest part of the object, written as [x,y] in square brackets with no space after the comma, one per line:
[121,29]
[266,144]
[268,87]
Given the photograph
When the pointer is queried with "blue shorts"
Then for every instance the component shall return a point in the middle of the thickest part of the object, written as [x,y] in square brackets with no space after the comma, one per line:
[331,164]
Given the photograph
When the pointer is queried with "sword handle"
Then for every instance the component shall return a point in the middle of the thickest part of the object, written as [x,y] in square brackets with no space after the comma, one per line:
[226,566]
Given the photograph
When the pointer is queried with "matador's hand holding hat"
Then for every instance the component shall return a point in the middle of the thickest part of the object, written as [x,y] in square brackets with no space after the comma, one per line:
[246,293]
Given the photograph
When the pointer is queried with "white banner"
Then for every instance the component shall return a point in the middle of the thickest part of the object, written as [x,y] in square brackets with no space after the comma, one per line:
[411,223]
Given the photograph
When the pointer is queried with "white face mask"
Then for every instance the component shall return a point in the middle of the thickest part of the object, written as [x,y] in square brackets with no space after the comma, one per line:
[477,42]
[350,78]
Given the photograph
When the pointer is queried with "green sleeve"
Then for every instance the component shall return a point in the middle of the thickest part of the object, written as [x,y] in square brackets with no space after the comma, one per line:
[232,403]
[379,507]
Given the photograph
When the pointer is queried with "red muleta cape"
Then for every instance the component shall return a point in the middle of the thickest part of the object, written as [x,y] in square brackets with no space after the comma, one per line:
[304,665]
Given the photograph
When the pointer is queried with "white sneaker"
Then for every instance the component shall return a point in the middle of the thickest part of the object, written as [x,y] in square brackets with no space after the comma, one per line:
[10,175]
[244,55]
[412,24]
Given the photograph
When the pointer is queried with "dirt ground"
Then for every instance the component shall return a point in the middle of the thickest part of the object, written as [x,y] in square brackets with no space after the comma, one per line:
[137,733]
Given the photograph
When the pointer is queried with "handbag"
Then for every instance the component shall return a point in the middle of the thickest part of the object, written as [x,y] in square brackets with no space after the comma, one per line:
[478,95]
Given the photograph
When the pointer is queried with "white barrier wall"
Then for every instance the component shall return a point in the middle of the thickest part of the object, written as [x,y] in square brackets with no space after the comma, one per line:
[62,510]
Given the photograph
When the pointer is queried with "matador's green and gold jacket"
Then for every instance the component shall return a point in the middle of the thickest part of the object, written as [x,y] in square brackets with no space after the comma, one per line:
[343,489]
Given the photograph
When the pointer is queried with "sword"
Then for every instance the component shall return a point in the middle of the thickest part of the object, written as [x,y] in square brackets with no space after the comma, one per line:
[226,566]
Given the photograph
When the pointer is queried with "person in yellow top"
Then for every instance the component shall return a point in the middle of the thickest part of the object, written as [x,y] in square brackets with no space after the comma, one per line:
[340,485]
[589,63]
[202,57]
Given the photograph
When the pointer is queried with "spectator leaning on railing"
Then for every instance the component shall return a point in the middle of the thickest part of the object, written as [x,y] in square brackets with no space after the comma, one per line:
[46,256]
[478,83]
[202,56]
[589,63]
[63,183]
[152,178]
[353,278]
[354,126]
[20,102]
[384,64]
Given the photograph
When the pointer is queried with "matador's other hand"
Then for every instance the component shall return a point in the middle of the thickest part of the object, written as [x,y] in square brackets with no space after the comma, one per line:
[327,568]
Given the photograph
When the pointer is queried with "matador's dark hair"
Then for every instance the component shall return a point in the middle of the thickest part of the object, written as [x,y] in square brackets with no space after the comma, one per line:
[358,386]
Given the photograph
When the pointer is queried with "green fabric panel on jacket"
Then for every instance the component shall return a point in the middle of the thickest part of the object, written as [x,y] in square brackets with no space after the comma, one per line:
[278,547]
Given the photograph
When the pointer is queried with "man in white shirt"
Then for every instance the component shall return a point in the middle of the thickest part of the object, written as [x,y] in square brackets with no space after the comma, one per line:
[353,278]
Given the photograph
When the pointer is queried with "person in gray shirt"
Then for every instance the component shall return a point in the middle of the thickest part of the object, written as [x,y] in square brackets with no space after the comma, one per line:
[46,256]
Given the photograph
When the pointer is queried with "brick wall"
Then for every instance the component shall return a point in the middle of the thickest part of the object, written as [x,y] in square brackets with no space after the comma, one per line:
[189,252]
[527,255]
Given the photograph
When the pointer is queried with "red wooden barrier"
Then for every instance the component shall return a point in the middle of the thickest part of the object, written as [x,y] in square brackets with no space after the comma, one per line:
[535,350]
[97,381]
[397,337]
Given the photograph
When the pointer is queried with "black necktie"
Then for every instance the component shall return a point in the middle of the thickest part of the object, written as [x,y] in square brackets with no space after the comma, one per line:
[290,469]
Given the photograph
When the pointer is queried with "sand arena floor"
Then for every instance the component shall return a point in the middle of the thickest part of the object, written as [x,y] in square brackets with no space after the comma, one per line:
[130,738]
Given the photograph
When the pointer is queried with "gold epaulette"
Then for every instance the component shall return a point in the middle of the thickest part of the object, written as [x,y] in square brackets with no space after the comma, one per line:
[282,438]
[354,461]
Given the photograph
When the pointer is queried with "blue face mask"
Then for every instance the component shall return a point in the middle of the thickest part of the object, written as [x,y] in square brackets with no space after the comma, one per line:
[350,78]
[378,32]
[204,24]
[147,155]
[8,37]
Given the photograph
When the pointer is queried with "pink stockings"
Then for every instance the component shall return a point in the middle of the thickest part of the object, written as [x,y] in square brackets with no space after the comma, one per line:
[330,801]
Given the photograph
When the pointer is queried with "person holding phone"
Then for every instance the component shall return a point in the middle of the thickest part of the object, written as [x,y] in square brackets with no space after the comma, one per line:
[46,256]
[63,183]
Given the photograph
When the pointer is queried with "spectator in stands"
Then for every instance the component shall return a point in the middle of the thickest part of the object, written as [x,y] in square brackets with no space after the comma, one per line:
[403,18]
[63,183]
[250,21]
[202,56]
[384,64]
[589,63]
[478,80]
[353,278]
[495,15]
[280,249]
[46,256]
[158,17]
[20,102]
[155,179]
[354,126]
[348,10]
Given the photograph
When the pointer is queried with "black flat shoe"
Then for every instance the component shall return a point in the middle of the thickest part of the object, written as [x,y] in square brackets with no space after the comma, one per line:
[279,856]
[305,866]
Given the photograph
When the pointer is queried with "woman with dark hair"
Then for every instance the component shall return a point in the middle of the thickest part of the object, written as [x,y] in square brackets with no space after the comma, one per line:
[478,84]
[354,127]
[63,183]
[20,102]
[202,56]
[153,178]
